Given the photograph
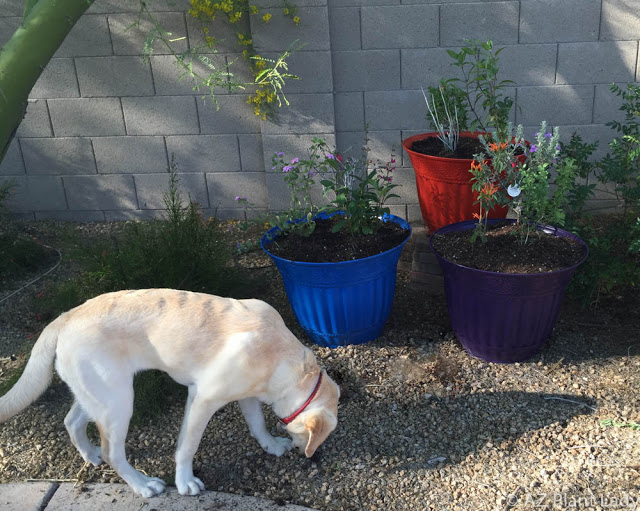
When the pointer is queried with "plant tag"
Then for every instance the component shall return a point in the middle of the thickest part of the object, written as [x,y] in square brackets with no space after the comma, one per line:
[513,190]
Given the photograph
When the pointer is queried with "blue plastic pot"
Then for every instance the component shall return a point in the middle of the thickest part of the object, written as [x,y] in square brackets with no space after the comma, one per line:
[502,317]
[342,303]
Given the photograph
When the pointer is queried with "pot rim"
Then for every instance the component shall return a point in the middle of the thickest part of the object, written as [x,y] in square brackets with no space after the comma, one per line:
[406,144]
[549,229]
[392,218]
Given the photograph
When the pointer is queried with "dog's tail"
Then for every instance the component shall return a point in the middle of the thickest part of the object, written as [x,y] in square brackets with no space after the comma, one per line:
[36,376]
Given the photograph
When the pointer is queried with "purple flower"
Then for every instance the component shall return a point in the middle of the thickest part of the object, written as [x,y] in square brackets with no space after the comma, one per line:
[279,155]
[286,168]
[311,173]
[393,160]
[330,156]
[533,149]
[558,147]
[294,161]
[238,198]
[547,135]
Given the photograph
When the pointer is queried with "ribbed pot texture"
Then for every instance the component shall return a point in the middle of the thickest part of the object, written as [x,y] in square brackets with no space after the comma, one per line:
[444,187]
[342,303]
[501,317]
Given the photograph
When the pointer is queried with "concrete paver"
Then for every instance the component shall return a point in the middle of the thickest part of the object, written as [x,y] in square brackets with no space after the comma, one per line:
[119,497]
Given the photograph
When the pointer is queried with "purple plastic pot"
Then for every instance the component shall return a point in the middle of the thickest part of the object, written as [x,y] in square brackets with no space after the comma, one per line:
[502,317]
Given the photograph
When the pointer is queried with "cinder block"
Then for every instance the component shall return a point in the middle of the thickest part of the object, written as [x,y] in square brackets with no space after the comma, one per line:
[620,20]
[224,187]
[306,113]
[425,67]
[590,133]
[344,27]
[313,69]
[398,210]
[558,105]
[58,156]
[357,3]
[280,32]
[161,115]
[232,115]
[597,62]
[399,26]
[71,216]
[86,117]
[36,123]
[548,21]
[114,76]
[12,164]
[129,39]
[292,146]
[414,214]
[528,64]
[383,145]
[269,4]
[606,106]
[349,111]
[497,21]
[8,26]
[395,110]
[406,189]
[86,193]
[130,155]
[366,70]
[251,153]
[151,189]
[58,80]
[41,193]
[169,78]
[279,194]
[225,33]
[88,38]
[430,284]
[205,153]
[11,8]
[121,6]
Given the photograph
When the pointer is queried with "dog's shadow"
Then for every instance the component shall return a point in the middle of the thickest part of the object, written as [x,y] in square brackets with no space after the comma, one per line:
[429,431]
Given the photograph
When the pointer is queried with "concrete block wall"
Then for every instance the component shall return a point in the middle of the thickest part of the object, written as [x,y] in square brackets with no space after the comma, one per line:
[102,124]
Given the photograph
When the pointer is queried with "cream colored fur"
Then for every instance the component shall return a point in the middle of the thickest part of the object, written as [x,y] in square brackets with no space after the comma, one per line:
[223,350]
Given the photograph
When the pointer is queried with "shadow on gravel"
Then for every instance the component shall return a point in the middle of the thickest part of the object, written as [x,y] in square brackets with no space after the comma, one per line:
[446,430]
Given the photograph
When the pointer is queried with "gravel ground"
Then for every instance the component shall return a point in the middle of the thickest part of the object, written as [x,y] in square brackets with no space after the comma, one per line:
[422,425]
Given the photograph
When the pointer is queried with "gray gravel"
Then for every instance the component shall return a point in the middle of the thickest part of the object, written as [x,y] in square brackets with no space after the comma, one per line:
[422,425]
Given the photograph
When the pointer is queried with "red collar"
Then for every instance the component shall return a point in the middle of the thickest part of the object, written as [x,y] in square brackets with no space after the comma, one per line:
[291,417]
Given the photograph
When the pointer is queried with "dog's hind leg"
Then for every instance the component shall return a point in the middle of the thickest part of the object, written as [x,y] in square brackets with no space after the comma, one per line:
[109,402]
[196,417]
[252,411]
[76,422]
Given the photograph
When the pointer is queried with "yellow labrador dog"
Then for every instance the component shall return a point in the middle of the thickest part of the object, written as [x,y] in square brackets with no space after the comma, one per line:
[223,350]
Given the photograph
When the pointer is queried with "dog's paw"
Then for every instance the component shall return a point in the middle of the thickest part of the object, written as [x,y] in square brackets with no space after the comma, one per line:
[148,486]
[92,456]
[278,446]
[189,485]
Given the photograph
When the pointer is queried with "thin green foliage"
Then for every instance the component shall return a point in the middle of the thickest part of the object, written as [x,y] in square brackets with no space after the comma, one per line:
[620,424]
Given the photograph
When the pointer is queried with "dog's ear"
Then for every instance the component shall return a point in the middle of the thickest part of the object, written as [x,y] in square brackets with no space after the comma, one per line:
[319,425]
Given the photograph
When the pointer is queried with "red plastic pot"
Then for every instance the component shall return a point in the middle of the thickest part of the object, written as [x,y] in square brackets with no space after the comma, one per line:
[444,186]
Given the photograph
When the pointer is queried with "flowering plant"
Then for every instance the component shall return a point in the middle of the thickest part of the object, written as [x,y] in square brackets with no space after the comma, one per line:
[532,178]
[354,188]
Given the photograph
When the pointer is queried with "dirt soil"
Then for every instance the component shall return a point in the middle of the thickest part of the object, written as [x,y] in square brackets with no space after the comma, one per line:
[324,246]
[433,146]
[422,425]
[503,251]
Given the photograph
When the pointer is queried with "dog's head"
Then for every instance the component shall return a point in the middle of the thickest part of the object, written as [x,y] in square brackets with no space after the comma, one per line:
[312,427]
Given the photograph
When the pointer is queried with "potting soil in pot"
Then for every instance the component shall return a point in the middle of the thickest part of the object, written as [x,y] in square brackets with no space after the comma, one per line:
[504,253]
[324,246]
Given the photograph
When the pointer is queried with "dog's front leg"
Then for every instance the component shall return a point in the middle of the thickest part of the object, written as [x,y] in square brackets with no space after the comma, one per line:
[252,411]
[197,414]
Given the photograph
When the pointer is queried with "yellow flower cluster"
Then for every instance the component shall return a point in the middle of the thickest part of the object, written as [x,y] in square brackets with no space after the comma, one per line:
[207,10]
[262,101]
